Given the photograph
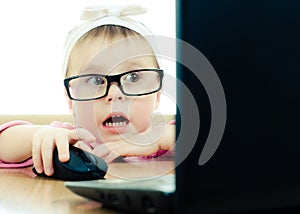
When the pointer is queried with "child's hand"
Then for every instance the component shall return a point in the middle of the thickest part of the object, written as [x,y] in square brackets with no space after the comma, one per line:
[140,144]
[112,150]
[47,138]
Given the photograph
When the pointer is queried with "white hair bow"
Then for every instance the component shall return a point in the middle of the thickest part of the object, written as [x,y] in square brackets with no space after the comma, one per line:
[98,12]
[96,16]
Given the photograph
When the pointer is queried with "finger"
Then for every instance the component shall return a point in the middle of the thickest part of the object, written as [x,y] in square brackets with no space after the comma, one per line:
[84,147]
[47,155]
[81,135]
[36,153]
[110,157]
[62,144]
[127,149]
[121,148]
[101,150]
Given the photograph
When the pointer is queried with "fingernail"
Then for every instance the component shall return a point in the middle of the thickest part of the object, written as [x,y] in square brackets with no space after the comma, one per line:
[64,157]
[49,171]
[39,170]
[92,139]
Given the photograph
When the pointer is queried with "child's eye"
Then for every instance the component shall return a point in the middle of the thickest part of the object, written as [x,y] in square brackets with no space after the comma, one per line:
[96,81]
[133,77]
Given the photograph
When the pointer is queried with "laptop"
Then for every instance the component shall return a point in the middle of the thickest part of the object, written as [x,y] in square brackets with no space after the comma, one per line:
[237,124]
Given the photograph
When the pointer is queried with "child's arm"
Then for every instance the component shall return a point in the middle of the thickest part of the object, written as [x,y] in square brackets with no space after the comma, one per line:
[16,143]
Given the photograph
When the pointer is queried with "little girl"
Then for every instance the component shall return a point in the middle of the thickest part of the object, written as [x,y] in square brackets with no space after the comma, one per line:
[113,83]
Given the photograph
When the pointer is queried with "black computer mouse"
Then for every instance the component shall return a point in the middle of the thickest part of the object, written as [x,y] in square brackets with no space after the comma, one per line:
[81,166]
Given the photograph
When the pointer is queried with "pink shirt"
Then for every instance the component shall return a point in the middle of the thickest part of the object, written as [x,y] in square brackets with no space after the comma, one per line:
[25,163]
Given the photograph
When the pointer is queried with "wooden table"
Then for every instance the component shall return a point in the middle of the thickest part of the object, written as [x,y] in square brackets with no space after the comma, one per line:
[22,192]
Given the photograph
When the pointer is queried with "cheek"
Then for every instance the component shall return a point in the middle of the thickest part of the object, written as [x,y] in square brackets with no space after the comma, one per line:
[84,115]
[141,111]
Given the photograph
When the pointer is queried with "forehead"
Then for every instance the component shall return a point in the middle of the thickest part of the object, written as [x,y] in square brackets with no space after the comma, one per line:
[106,54]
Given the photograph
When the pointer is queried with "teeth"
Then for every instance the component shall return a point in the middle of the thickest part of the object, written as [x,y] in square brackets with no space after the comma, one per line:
[115,124]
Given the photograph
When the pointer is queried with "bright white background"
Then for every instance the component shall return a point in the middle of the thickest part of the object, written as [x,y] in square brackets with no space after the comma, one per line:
[31,50]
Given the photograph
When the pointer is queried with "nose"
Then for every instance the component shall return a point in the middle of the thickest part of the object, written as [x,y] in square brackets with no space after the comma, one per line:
[114,94]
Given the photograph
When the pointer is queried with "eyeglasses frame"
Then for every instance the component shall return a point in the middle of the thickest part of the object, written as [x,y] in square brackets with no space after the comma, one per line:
[110,79]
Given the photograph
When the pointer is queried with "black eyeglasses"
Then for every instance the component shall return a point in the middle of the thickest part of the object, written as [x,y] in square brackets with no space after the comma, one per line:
[96,86]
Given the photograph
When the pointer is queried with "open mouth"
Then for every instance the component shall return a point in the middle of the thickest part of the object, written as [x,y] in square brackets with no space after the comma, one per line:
[116,121]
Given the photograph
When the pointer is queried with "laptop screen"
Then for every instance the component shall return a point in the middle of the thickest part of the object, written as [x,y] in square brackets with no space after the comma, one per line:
[246,155]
